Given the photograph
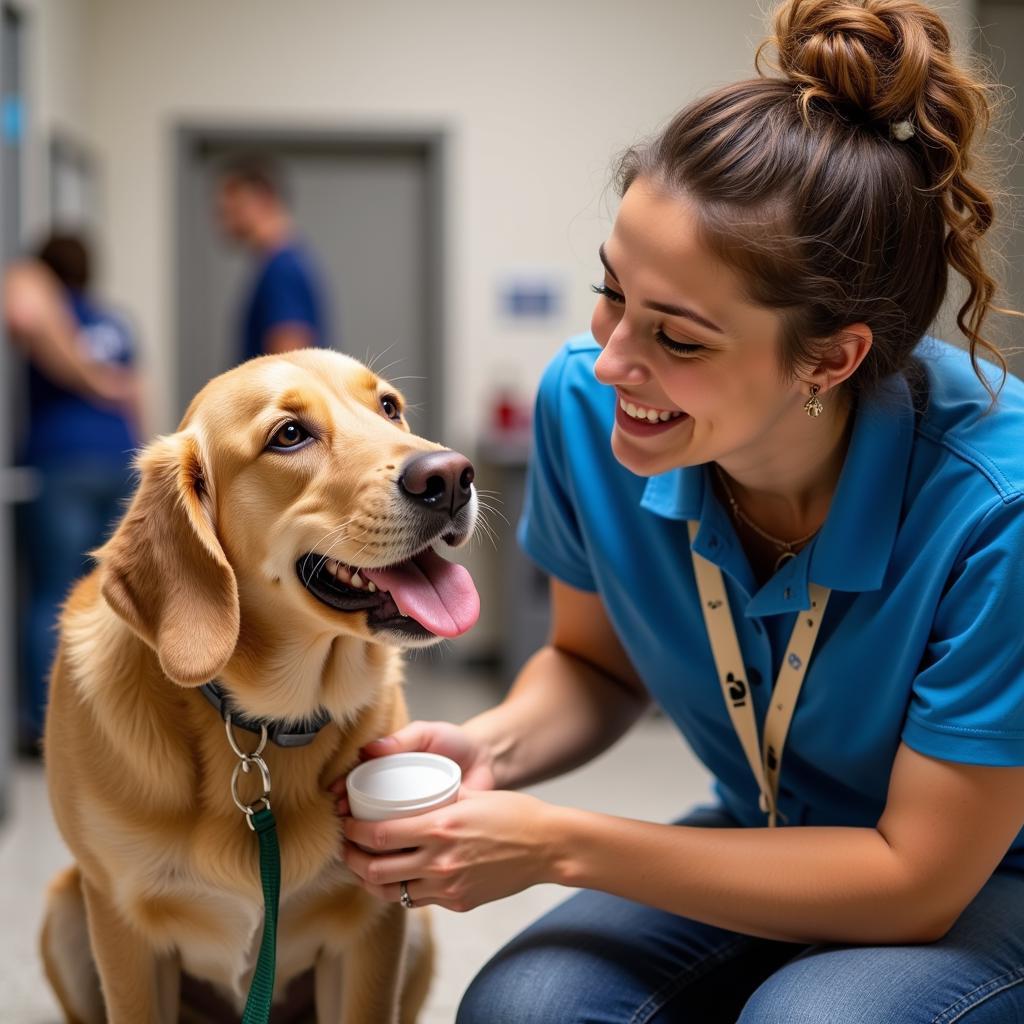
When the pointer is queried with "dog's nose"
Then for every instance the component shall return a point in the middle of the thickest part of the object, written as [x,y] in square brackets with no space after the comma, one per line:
[439,480]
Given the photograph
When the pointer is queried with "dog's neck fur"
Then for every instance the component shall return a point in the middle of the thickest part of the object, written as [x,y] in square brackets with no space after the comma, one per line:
[287,667]
[281,667]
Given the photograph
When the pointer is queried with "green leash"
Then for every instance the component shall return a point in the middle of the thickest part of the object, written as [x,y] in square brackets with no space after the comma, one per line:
[261,989]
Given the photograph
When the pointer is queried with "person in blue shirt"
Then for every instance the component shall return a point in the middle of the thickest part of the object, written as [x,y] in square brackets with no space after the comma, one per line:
[771,503]
[82,430]
[285,307]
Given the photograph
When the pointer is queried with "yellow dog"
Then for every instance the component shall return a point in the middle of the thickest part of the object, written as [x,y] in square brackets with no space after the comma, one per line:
[280,547]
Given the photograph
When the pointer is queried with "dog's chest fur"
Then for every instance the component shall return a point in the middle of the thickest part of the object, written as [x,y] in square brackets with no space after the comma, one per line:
[198,894]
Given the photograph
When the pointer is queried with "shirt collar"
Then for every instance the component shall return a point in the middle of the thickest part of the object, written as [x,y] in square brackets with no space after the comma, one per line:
[853,548]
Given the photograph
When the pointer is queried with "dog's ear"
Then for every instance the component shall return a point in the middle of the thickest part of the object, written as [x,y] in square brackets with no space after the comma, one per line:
[164,570]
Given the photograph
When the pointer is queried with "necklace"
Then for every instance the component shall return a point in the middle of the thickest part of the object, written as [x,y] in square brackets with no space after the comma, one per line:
[785,546]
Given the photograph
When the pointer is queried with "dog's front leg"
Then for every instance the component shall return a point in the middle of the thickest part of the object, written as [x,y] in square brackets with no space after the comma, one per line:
[372,969]
[139,987]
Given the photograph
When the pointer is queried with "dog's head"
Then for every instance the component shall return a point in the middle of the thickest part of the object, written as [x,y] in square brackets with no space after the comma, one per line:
[292,498]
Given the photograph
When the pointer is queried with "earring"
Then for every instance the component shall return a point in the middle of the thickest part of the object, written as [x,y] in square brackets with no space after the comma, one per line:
[813,406]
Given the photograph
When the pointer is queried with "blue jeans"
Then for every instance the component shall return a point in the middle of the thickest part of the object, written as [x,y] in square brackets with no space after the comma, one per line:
[600,959]
[75,511]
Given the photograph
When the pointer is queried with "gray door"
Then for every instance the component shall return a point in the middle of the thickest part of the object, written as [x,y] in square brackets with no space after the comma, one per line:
[368,210]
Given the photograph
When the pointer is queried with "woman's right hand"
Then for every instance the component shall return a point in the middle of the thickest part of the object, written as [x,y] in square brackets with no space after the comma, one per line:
[443,738]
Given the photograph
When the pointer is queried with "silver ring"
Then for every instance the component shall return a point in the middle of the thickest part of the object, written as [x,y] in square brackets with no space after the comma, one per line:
[406,899]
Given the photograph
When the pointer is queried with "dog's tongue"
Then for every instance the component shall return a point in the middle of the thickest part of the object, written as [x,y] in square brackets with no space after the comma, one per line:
[438,594]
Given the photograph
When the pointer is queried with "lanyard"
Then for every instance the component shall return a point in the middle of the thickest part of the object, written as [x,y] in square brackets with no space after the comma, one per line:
[725,648]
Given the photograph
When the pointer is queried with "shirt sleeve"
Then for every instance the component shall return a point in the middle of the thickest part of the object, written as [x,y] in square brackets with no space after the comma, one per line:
[967,701]
[549,529]
[288,298]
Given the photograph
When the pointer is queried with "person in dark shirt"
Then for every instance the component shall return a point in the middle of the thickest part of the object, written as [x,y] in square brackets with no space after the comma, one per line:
[82,430]
[285,308]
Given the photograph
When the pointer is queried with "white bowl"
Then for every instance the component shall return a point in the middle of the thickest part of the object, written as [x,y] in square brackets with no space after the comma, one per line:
[402,785]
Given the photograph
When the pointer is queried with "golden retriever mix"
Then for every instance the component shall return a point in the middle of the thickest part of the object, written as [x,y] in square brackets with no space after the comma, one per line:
[279,545]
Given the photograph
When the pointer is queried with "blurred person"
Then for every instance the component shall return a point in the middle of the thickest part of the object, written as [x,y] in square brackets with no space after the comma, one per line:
[83,426]
[285,307]
[758,469]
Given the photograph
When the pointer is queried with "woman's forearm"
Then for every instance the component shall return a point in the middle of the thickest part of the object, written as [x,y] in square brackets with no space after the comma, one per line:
[560,713]
[807,884]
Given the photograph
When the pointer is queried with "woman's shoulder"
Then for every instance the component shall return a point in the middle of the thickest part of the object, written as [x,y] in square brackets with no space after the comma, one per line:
[956,413]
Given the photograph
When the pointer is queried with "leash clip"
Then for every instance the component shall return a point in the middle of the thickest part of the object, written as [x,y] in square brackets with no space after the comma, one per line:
[246,761]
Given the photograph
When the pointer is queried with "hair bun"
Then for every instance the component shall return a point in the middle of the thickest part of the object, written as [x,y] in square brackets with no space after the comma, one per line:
[869,59]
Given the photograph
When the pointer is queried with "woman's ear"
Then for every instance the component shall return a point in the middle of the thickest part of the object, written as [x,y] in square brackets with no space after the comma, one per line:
[164,570]
[849,349]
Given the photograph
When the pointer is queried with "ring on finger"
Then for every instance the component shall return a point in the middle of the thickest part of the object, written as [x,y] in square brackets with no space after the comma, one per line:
[406,899]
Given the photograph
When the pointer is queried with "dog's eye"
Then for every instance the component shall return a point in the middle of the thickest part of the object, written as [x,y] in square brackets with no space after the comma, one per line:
[391,407]
[291,435]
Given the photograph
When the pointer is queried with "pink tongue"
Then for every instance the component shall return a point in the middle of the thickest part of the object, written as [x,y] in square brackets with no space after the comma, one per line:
[436,593]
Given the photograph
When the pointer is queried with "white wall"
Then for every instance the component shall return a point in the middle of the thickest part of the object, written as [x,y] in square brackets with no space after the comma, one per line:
[54,93]
[538,96]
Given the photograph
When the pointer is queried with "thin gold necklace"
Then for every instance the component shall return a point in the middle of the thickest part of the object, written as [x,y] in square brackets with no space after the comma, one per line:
[785,546]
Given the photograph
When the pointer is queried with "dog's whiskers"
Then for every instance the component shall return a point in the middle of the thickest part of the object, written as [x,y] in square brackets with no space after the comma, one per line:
[335,540]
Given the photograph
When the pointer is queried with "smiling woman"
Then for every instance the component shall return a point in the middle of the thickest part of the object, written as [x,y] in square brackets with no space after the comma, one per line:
[757,466]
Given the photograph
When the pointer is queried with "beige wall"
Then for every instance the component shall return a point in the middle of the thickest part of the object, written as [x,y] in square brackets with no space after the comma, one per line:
[1001,40]
[55,69]
[537,96]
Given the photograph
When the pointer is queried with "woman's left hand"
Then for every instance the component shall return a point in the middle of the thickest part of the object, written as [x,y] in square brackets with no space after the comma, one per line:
[490,844]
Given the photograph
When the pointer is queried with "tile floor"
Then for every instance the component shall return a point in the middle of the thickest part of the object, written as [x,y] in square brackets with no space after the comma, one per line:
[650,774]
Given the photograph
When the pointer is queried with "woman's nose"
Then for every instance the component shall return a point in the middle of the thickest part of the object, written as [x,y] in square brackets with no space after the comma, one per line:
[618,362]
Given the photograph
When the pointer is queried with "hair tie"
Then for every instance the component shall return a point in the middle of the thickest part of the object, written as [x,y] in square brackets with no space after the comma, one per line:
[902,130]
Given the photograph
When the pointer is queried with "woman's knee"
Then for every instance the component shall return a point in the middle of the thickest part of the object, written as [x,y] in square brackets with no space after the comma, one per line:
[523,987]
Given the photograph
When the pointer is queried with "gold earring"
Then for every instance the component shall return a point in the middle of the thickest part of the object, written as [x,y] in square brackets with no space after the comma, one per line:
[813,406]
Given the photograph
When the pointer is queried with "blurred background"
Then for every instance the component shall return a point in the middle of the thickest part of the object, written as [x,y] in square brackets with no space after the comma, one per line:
[438,174]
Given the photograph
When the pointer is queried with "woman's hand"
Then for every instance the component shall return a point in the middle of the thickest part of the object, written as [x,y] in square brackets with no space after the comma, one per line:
[435,738]
[488,845]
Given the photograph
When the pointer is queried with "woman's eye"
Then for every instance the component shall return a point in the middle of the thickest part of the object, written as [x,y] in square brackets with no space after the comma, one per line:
[291,435]
[679,348]
[609,293]
[391,408]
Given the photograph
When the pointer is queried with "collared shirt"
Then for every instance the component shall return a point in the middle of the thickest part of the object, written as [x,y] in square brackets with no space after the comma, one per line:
[286,290]
[923,549]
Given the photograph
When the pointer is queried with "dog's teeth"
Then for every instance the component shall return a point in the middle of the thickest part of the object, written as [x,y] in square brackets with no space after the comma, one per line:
[332,566]
[344,573]
[371,586]
[357,580]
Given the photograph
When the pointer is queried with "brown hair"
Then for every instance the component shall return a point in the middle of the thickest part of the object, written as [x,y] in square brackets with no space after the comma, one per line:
[801,183]
[67,255]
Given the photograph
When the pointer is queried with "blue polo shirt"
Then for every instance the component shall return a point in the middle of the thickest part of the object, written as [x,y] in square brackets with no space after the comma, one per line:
[63,425]
[923,548]
[286,290]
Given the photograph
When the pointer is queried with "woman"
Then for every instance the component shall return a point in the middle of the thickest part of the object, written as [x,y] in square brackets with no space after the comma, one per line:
[83,415]
[797,488]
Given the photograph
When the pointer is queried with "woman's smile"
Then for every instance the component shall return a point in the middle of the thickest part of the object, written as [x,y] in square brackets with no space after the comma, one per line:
[643,421]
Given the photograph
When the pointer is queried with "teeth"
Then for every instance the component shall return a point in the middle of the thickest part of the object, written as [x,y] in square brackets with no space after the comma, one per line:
[349,576]
[639,412]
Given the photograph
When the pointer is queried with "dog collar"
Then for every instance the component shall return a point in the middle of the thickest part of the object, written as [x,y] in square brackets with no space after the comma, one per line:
[284,734]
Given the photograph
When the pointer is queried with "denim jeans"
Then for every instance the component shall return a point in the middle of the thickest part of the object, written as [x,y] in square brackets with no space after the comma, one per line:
[600,959]
[75,511]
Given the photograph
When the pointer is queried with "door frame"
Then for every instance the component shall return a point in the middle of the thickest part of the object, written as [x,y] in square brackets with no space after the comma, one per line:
[192,135]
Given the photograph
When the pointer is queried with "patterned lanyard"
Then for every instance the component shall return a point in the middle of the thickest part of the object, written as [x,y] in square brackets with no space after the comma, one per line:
[725,648]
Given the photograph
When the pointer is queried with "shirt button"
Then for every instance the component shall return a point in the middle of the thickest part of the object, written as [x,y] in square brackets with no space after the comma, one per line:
[754,676]
[713,541]
[787,593]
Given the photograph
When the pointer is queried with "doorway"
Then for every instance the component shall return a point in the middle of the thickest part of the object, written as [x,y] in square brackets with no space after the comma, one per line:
[369,206]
